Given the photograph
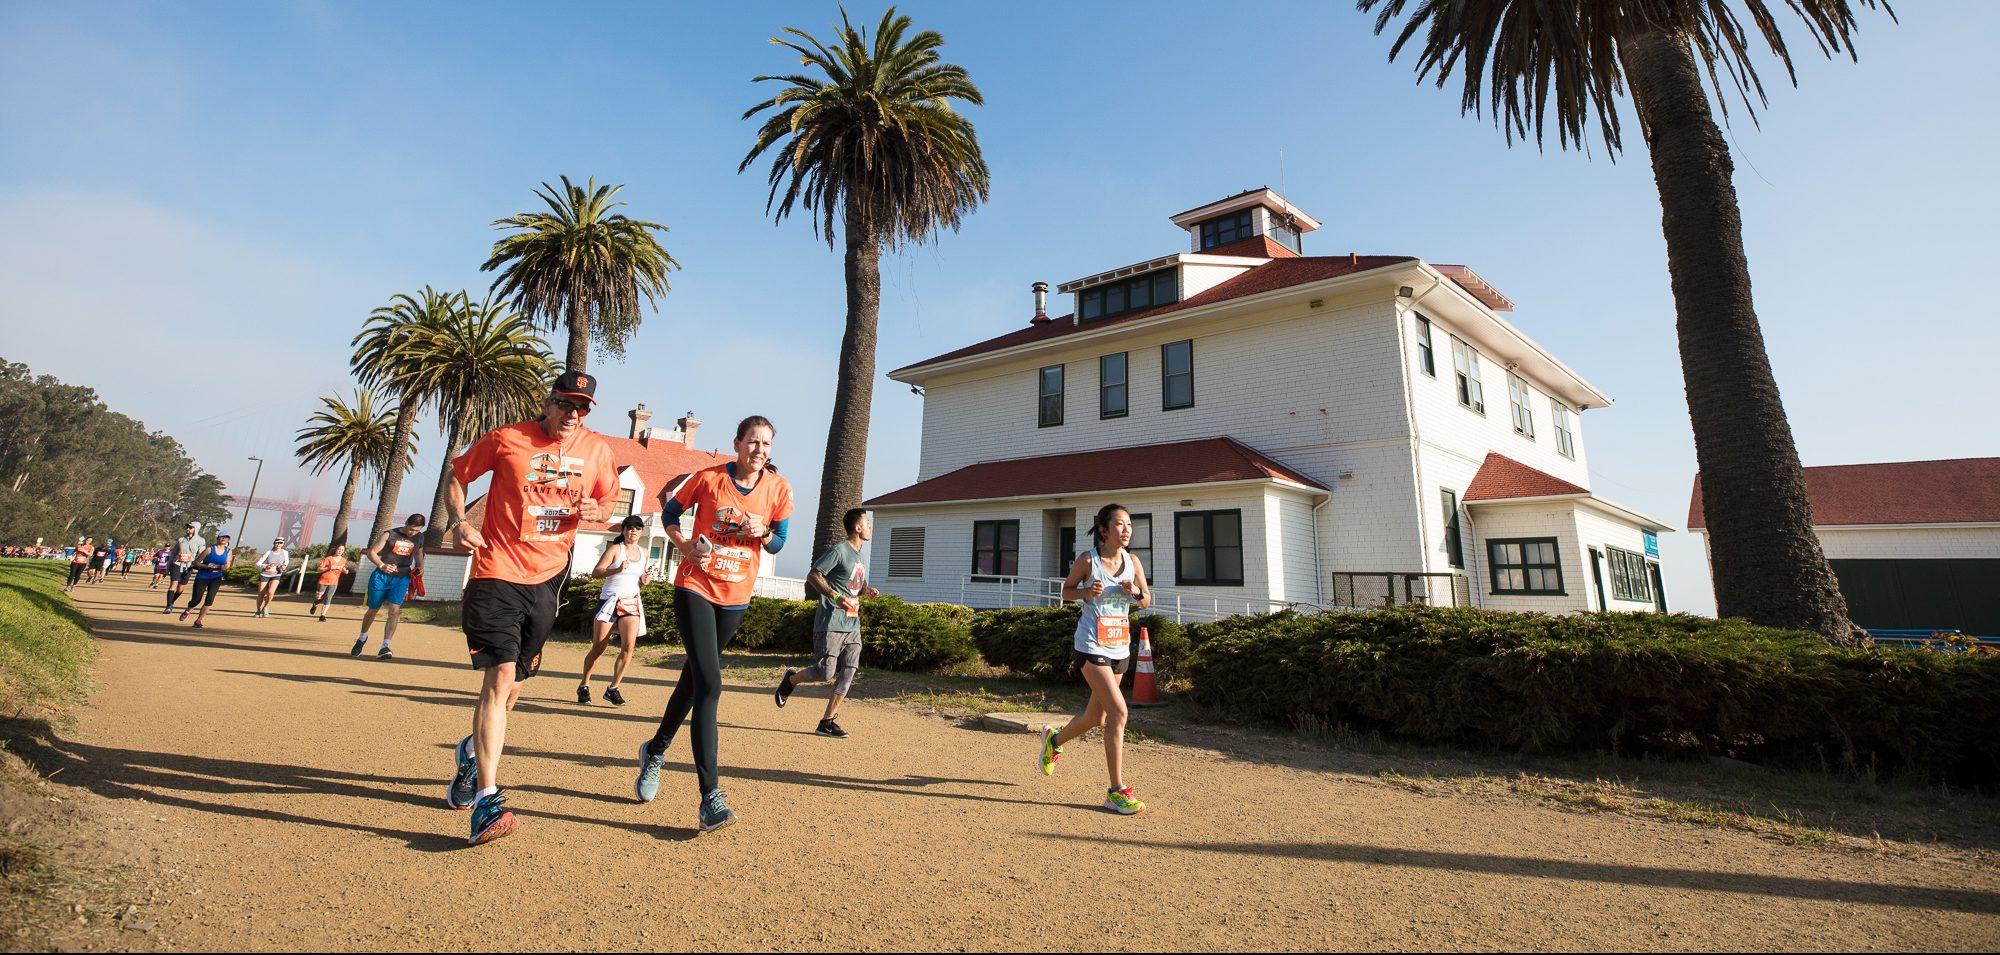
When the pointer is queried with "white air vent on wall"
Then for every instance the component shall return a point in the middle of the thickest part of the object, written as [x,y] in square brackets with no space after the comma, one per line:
[906,552]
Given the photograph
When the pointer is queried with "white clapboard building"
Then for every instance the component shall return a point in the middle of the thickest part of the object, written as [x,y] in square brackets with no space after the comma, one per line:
[1287,429]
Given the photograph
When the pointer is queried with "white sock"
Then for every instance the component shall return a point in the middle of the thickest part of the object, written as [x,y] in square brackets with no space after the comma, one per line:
[488,791]
[364,636]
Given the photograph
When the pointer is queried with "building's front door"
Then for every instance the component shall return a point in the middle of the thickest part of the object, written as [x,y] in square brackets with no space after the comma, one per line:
[1066,549]
[1597,577]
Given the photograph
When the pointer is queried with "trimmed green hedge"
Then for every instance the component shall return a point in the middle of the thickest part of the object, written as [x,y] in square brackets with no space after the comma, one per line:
[921,638]
[1629,683]
[1037,642]
[579,605]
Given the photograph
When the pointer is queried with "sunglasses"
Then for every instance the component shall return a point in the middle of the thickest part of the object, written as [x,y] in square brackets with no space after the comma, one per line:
[568,405]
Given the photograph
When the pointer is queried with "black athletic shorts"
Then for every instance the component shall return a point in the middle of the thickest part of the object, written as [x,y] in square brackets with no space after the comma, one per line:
[508,623]
[204,592]
[1118,666]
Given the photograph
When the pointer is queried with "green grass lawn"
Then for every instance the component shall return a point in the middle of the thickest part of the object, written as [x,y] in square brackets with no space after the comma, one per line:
[45,651]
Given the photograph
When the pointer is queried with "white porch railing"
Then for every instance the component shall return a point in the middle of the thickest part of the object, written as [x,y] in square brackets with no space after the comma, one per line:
[1178,605]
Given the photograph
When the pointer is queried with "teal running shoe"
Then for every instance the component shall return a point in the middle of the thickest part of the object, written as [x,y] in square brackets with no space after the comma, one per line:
[715,812]
[465,780]
[648,784]
[490,819]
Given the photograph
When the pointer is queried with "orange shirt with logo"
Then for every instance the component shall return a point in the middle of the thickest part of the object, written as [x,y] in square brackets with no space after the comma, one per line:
[729,573]
[532,506]
[330,569]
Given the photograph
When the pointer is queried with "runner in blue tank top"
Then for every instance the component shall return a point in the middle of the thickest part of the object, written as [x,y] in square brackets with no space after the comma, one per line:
[1110,584]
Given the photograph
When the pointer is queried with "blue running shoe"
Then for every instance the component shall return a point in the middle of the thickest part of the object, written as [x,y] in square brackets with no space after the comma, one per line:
[648,784]
[464,781]
[715,812]
[490,819]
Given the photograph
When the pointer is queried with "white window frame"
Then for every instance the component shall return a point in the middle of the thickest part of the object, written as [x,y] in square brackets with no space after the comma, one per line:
[1465,368]
[1565,437]
[1520,411]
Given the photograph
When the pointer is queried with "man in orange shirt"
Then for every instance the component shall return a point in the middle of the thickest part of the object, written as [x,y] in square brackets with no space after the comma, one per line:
[548,474]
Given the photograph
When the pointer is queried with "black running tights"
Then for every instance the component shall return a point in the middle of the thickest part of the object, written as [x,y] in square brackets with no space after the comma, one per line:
[705,629]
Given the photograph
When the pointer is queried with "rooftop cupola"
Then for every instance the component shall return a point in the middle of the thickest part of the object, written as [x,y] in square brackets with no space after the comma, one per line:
[1244,216]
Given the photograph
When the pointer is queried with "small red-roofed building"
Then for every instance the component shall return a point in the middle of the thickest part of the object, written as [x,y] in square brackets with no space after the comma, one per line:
[1287,429]
[1915,544]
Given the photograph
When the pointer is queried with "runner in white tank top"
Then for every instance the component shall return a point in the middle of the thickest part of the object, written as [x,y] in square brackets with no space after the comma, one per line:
[1103,647]
[620,608]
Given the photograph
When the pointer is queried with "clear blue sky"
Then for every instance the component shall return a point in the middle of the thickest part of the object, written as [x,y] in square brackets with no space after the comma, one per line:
[204,201]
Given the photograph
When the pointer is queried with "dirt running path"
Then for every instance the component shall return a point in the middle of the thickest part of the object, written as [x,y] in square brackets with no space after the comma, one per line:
[297,799]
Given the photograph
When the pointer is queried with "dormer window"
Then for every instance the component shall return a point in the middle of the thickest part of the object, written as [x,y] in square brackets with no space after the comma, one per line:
[1137,293]
[1226,229]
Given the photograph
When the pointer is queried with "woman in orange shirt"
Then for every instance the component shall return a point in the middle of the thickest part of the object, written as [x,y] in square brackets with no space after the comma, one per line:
[741,512]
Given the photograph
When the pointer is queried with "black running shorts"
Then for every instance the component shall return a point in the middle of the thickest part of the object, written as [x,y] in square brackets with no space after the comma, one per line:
[507,622]
[1118,666]
[204,592]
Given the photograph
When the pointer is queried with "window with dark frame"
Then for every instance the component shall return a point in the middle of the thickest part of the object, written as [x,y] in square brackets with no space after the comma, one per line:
[906,552]
[1208,548]
[1049,412]
[1177,375]
[1465,365]
[1518,395]
[1137,293]
[996,548]
[1223,230]
[1565,441]
[1525,565]
[623,508]
[1631,579]
[1426,358]
[1454,545]
[1111,386]
[1142,541]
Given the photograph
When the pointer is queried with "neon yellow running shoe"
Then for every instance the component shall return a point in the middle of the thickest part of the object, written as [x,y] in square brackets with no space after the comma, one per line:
[1122,802]
[1050,751]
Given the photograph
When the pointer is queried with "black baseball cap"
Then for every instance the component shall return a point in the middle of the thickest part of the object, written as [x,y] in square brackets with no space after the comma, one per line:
[576,384]
[632,522]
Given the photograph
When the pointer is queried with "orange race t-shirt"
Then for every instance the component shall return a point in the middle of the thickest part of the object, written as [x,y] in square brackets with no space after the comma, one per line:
[531,507]
[727,575]
[330,569]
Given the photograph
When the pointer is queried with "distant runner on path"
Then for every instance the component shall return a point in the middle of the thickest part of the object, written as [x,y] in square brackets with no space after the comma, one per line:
[79,562]
[397,555]
[187,550]
[163,565]
[208,570]
[331,567]
[100,560]
[1110,584]
[841,581]
[270,571]
[125,558]
[548,474]
[736,523]
[619,608]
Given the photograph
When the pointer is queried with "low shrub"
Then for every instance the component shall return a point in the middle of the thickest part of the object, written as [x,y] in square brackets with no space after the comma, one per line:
[783,626]
[1628,683]
[1038,641]
[919,638]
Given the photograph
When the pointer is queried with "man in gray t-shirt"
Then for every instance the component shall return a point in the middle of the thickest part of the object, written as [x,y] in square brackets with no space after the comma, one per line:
[186,550]
[841,581]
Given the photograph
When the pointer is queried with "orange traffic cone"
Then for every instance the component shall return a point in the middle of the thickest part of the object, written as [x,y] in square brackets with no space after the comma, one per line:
[1145,692]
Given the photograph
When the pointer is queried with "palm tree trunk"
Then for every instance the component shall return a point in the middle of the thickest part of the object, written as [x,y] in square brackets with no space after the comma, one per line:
[579,338]
[440,501]
[1766,561]
[392,475]
[339,539]
[854,389]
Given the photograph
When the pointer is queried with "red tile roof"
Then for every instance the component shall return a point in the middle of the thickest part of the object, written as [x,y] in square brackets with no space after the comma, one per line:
[1257,246]
[1271,276]
[1502,478]
[1203,461]
[1952,491]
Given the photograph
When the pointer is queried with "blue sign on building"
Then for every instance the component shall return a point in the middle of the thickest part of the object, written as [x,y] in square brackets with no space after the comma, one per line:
[1652,544]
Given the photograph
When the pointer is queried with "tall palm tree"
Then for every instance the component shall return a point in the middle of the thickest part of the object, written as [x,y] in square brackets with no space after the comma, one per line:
[387,355]
[871,141]
[581,266]
[356,436]
[485,369]
[1519,58]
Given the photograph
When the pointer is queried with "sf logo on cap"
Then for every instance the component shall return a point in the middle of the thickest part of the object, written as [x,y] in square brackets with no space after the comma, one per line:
[583,381]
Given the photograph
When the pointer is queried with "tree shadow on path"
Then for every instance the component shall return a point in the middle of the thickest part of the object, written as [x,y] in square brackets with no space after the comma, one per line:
[1654,877]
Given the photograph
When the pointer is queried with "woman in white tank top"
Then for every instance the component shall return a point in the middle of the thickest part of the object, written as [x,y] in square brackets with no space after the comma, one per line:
[623,569]
[1110,584]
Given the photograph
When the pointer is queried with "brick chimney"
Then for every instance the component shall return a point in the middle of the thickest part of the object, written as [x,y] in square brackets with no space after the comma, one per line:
[688,424]
[639,418]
